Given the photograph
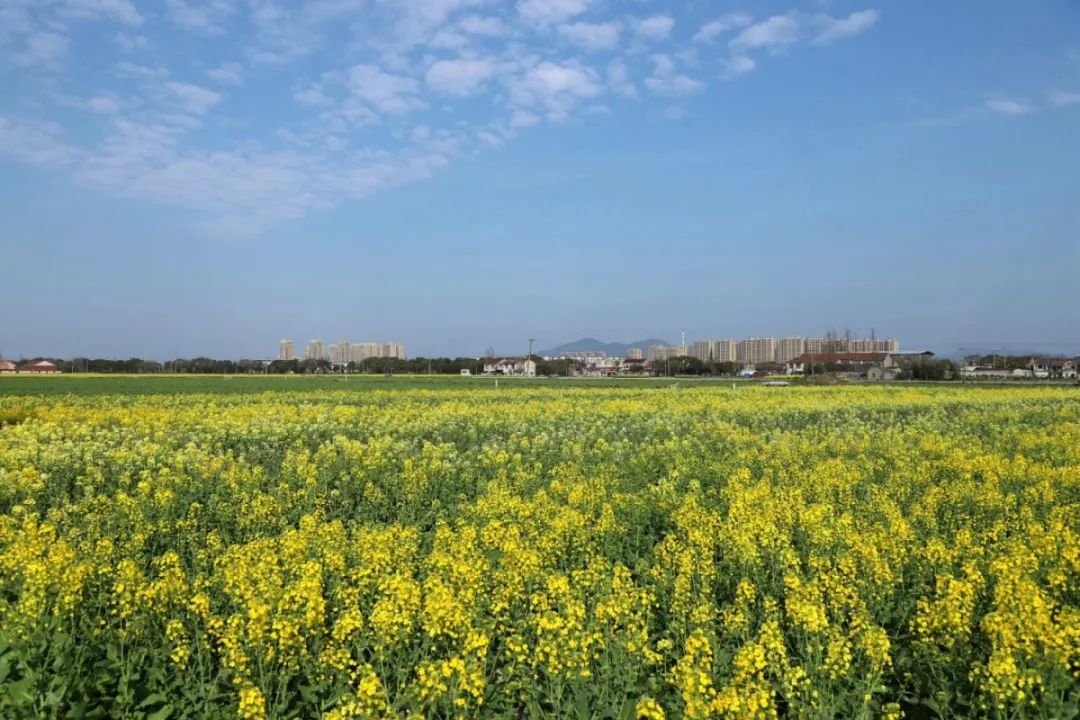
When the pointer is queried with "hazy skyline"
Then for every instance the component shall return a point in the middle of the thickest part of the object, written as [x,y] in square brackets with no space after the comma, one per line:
[206,177]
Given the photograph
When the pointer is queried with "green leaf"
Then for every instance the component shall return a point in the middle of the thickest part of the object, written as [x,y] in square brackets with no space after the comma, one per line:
[161,714]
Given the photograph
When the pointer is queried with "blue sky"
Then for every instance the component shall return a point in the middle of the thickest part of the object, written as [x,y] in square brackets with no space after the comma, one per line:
[206,176]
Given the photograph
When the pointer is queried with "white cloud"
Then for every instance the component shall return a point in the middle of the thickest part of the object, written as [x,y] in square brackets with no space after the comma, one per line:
[1060,98]
[418,21]
[676,112]
[550,12]
[387,93]
[779,30]
[854,24]
[322,11]
[35,143]
[391,61]
[551,88]
[461,78]
[484,26]
[665,80]
[523,119]
[312,96]
[619,81]
[46,49]
[241,192]
[1007,106]
[103,105]
[192,98]
[229,73]
[121,10]
[131,70]
[725,23]
[738,65]
[205,16]
[657,27]
[592,36]
[130,43]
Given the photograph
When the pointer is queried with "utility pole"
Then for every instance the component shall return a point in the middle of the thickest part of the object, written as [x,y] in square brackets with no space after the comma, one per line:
[528,358]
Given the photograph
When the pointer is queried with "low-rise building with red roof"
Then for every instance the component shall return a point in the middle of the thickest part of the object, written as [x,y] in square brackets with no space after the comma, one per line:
[40,367]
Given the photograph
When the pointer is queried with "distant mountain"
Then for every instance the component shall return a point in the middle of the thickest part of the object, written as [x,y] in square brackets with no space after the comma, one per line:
[613,349]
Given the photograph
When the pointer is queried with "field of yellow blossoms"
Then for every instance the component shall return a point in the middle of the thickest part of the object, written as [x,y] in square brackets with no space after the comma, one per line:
[527,552]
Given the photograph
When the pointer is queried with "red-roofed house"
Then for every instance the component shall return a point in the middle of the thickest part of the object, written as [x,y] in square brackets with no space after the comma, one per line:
[40,367]
[7,367]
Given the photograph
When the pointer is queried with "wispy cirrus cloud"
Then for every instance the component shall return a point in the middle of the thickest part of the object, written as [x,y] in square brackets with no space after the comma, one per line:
[854,24]
[592,36]
[722,25]
[667,80]
[776,31]
[292,107]
[1009,106]
[460,77]
[653,28]
[44,49]
[1061,98]
[549,12]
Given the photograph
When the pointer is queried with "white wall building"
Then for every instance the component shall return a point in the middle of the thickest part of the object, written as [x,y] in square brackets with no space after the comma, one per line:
[341,353]
[789,348]
[702,350]
[725,351]
[756,351]
[314,350]
[285,349]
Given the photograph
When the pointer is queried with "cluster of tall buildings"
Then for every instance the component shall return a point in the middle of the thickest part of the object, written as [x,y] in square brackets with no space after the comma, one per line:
[342,352]
[758,351]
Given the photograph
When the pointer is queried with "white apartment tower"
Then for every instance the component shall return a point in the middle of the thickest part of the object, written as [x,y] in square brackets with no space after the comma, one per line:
[789,348]
[659,353]
[285,350]
[360,352]
[891,345]
[754,351]
[702,350]
[393,350]
[634,354]
[314,351]
[724,351]
[340,353]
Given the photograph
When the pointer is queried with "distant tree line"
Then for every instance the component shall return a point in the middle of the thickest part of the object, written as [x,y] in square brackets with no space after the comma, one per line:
[687,365]
[930,370]
[205,365]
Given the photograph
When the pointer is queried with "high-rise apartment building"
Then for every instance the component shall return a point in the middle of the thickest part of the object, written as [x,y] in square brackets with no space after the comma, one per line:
[702,350]
[659,353]
[285,350]
[393,350]
[724,351]
[890,345]
[754,351]
[789,348]
[635,354]
[861,345]
[359,352]
[340,353]
[314,351]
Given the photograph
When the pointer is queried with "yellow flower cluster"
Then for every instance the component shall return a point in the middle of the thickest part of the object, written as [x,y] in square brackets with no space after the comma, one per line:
[543,552]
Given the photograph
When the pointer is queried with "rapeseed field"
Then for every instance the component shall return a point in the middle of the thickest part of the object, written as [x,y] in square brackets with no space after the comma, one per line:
[704,552]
